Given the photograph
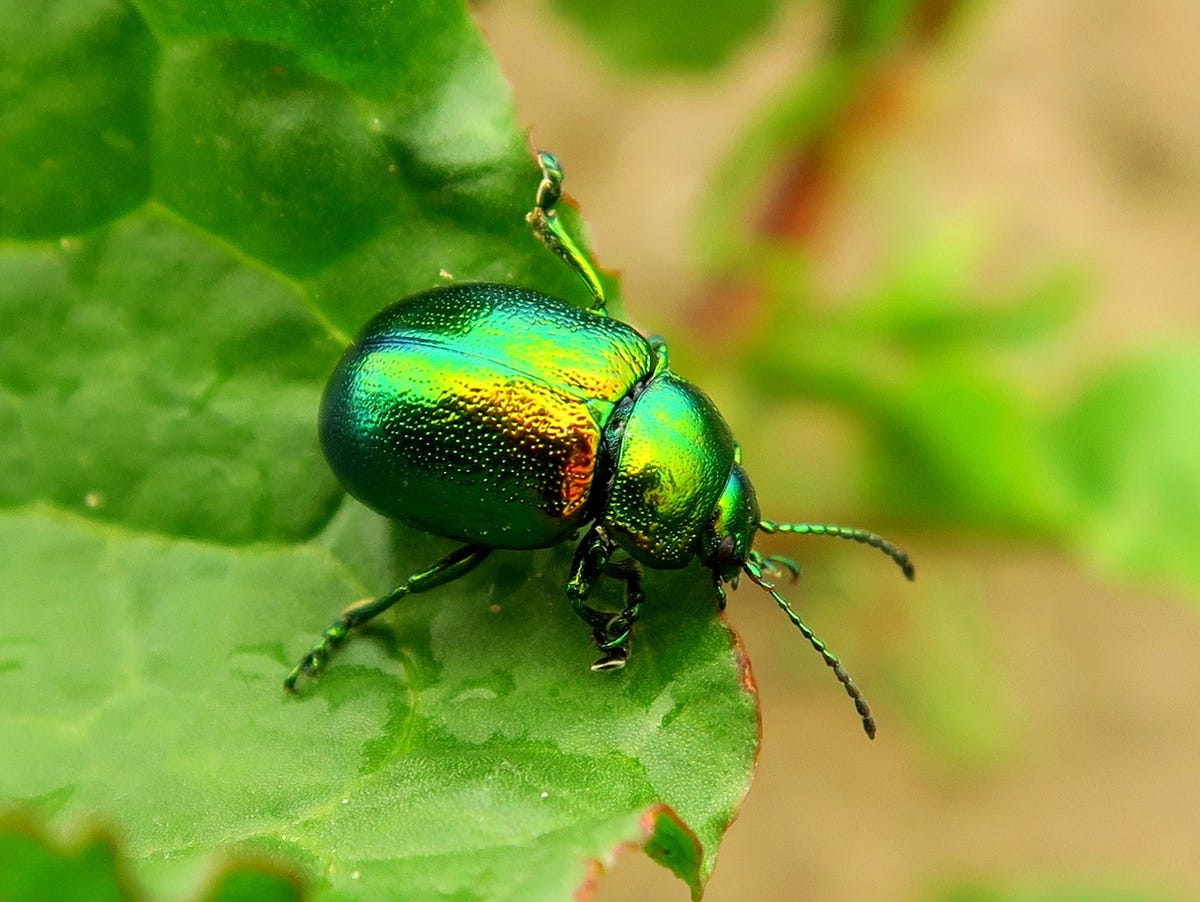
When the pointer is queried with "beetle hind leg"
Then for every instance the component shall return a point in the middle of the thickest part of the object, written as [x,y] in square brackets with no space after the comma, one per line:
[451,567]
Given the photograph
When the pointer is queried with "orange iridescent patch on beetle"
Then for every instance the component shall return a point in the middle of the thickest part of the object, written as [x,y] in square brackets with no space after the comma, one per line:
[577,474]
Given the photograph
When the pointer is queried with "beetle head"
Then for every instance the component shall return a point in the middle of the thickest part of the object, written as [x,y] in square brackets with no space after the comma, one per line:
[726,542]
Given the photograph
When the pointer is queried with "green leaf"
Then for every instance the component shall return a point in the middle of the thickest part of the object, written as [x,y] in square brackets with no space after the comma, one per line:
[951,442]
[171,540]
[36,867]
[74,142]
[450,749]
[929,299]
[152,378]
[279,192]
[1129,447]
[675,35]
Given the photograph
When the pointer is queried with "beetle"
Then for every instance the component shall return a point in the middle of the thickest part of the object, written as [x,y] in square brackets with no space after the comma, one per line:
[504,418]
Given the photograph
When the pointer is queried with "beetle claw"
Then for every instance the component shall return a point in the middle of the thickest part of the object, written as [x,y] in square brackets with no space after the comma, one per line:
[613,659]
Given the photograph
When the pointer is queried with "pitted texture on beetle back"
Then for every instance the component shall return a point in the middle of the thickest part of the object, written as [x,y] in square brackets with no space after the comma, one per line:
[476,412]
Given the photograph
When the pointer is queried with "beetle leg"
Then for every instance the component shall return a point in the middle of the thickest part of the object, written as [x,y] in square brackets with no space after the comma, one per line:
[586,567]
[451,567]
[662,358]
[772,564]
[543,218]
[620,628]
[610,632]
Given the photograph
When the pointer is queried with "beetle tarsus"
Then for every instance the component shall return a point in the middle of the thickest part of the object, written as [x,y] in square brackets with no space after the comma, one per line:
[318,656]
[612,659]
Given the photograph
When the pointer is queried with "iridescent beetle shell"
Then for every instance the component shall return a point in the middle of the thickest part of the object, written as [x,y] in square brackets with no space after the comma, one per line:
[477,412]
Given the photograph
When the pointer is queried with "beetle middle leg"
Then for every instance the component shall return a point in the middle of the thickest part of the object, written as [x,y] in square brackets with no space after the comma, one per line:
[610,632]
[457,563]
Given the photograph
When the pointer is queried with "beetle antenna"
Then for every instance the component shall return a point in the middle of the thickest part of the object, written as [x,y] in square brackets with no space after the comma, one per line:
[543,218]
[754,571]
[845,532]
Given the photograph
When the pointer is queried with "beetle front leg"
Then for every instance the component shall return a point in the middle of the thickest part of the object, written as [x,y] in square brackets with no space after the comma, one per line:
[620,627]
[586,568]
[610,632]
[451,567]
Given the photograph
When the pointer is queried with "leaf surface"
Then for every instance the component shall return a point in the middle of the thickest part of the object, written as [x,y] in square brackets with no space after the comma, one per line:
[191,225]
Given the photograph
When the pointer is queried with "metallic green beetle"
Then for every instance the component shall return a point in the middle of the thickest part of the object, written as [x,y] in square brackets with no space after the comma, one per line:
[503,418]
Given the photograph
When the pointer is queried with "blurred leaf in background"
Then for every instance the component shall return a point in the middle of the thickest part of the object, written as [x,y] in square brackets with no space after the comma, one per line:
[1102,463]
[36,868]
[672,36]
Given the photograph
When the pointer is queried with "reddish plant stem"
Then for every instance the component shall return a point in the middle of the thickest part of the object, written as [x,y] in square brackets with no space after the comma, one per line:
[809,181]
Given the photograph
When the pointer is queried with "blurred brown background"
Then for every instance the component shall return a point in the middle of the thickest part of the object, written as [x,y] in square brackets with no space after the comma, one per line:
[1069,131]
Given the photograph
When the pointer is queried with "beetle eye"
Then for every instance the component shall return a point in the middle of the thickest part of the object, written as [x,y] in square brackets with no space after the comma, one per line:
[726,551]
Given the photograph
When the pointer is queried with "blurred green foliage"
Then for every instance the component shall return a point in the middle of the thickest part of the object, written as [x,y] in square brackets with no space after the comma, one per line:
[36,867]
[665,37]
[1103,462]
[1051,891]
